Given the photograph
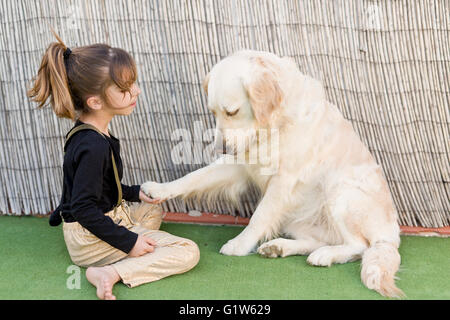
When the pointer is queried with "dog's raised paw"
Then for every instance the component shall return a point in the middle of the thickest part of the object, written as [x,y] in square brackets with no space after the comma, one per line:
[147,188]
[156,190]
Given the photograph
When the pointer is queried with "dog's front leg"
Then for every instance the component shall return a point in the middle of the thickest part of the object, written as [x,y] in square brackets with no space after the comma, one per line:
[264,222]
[218,173]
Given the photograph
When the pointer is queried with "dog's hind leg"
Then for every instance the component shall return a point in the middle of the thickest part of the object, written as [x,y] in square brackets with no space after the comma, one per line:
[288,247]
[327,255]
[351,245]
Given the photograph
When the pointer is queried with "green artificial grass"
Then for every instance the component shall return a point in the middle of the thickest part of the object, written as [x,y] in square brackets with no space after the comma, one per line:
[34,261]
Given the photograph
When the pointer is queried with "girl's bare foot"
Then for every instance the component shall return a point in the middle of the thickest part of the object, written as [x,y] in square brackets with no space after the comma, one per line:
[103,278]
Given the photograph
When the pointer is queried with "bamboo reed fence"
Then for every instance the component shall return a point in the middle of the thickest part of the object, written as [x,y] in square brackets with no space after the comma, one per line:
[385,64]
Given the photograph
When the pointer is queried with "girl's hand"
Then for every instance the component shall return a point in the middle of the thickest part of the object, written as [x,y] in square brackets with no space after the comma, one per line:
[142,246]
[145,198]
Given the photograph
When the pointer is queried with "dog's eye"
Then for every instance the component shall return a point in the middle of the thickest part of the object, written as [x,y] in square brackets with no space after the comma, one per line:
[231,113]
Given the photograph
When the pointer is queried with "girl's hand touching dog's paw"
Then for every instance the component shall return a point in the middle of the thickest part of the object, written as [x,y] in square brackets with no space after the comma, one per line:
[157,190]
[143,197]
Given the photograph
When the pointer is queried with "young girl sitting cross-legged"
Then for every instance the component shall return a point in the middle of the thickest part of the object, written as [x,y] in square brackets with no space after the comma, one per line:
[116,242]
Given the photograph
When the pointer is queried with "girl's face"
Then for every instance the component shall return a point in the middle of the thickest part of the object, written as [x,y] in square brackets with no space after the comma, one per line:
[122,102]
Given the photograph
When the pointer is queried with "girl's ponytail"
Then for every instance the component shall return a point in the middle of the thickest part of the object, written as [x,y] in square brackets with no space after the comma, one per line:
[51,81]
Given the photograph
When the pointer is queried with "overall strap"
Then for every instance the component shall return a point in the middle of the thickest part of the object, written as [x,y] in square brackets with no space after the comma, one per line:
[86,126]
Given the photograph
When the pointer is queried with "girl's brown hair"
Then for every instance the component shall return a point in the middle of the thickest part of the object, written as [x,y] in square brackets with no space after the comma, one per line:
[67,82]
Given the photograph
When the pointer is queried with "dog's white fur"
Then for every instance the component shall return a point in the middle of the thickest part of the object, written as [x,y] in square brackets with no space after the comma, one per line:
[328,197]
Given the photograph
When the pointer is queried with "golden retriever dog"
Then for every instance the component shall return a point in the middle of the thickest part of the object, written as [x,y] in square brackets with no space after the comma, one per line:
[322,193]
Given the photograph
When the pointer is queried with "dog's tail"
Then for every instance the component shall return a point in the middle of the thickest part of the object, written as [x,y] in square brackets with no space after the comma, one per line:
[380,262]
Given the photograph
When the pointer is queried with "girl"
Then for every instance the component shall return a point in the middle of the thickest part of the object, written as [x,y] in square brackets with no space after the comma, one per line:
[91,85]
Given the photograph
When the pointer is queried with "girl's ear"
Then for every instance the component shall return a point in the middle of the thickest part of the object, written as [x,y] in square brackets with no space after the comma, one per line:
[94,102]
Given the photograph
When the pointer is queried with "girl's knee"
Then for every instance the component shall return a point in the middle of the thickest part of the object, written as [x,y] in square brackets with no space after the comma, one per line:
[194,253]
[148,215]
[145,208]
[154,208]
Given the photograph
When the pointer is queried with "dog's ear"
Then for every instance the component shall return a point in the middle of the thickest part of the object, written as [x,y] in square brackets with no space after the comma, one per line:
[205,84]
[263,90]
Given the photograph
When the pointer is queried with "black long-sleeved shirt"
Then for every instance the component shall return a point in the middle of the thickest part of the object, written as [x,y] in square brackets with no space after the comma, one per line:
[90,189]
